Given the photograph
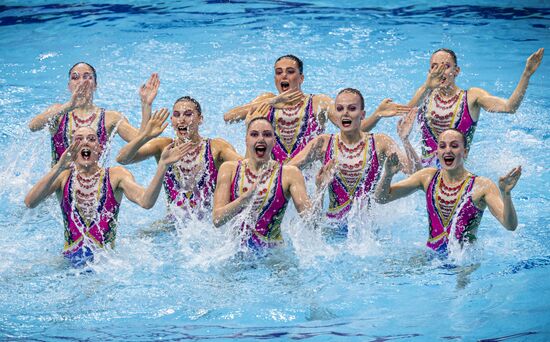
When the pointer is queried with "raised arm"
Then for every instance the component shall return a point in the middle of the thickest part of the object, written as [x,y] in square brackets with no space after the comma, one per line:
[52,181]
[389,147]
[499,200]
[386,109]
[51,116]
[146,198]
[297,189]
[141,147]
[312,152]
[147,93]
[404,127]
[496,104]
[224,209]
[239,113]
[224,151]
[386,192]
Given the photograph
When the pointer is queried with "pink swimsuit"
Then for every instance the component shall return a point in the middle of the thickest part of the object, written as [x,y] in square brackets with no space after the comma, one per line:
[266,231]
[62,138]
[461,120]
[203,191]
[466,216]
[309,129]
[342,195]
[101,230]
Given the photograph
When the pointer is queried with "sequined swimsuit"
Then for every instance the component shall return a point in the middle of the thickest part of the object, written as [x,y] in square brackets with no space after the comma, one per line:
[308,128]
[68,123]
[462,220]
[431,124]
[202,193]
[266,230]
[83,233]
[341,194]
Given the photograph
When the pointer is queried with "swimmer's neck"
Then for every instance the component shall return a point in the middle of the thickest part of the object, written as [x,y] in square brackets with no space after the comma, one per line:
[194,138]
[87,170]
[256,165]
[455,175]
[86,107]
[449,91]
[352,137]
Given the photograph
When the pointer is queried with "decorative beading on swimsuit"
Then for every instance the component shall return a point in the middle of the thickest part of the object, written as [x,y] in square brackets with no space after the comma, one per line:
[451,211]
[268,206]
[435,115]
[190,182]
[358,172]
[295,127]
[70,122]
[89,210]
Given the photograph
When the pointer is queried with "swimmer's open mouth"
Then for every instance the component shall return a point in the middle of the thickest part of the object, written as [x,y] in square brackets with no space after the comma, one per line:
[86,153]
[285,85]
[448,160]
[183,129]
[260,149]
[346,122]
[443,79]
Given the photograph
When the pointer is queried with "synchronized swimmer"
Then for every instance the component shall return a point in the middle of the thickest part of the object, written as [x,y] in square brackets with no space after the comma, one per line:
[284,134]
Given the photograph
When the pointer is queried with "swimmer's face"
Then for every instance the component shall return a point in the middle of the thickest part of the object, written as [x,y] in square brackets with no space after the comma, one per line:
[287,75]
[451,70]
[260,139]
[90,149]
[348,111]
[79,74]
[186,119]
[450,150]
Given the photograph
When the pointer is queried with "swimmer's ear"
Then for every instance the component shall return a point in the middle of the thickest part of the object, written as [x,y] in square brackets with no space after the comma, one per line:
[457,71]
[301,78]
[363,114]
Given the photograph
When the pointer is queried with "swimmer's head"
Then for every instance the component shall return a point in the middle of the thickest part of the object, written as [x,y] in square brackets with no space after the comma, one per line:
[82,72]
[260,139]
[349,110]
[90,148]
[452,149]
[451,70]
[288,73]
[186,117]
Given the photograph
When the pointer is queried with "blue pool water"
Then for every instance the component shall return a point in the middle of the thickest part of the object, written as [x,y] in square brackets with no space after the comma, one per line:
[191,283]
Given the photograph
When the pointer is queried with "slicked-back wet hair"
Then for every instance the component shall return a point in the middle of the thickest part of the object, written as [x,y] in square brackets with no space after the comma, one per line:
[464,139]
[356,92]
[450,52]
[258,118]
[91,67]
[192,100]
[295,59]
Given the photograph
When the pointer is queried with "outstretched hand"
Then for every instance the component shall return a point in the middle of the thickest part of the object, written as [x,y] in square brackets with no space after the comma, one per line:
[392,164]
[156,124]
[260,112]
[69,156]
[388,108]
[533,61]
[508,182]
[286,98]
[434,76]
[325,175]
[149,90]
[171,153]
[81,95]
[405,124]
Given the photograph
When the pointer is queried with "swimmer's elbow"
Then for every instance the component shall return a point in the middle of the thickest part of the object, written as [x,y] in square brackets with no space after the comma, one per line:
[511,226]
[30,204]
[122,161]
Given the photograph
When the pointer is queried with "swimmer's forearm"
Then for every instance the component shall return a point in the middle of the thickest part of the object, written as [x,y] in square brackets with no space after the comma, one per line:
[128,153]
[516,98]
[146,110]
[42,189]
[413,162]
[419,95]
[510,219]
[382,192]
[369,123]
[221,216]
[151,194]
[48,117]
